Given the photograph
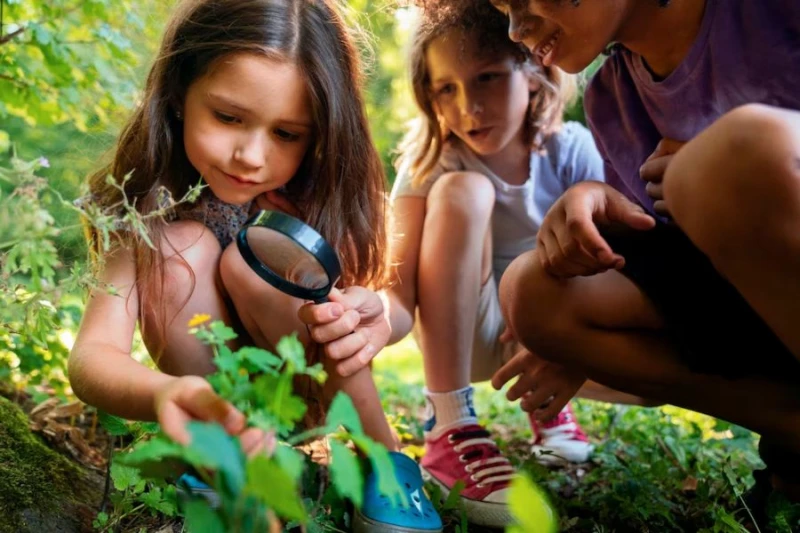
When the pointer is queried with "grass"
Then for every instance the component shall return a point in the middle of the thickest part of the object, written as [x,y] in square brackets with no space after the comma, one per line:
[654,469]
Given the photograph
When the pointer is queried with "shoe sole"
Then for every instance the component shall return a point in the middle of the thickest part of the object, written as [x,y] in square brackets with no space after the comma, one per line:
[551,457]
[363,524]
[479,513]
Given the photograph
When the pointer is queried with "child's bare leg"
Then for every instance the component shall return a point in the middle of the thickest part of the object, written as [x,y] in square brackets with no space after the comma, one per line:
[735,191]
[191,286]
[606,327]
[268,314]
[455,259]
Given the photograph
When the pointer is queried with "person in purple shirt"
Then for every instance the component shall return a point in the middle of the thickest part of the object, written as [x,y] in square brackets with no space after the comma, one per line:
[679,279]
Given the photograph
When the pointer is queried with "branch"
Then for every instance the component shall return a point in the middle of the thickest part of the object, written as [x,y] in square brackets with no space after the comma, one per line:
[19,83]
[5,38]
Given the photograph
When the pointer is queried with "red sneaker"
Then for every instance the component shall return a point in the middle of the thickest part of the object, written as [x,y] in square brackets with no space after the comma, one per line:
[560,439]
[468,453]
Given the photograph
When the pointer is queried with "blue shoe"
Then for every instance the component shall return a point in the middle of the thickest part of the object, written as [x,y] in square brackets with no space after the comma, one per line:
[378,515]
[189,486]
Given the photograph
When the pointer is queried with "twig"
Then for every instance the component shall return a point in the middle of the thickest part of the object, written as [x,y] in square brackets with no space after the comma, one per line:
[6,38]
[107,487]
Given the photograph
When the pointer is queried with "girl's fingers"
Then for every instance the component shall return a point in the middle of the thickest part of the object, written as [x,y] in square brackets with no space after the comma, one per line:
[337,329]
[316,314]
[347,346]
[256,441]
[353,364]
[173,422]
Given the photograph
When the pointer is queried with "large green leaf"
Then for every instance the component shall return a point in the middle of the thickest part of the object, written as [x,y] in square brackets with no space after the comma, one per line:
[342,412]
[219,451]
[274,486]
[346,473]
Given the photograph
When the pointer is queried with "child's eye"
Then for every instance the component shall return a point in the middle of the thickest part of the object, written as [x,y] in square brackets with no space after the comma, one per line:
[225,118]
[445,90]
[287,136]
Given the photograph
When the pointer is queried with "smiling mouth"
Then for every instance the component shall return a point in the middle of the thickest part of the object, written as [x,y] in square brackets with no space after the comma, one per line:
[239,180]
[544,50]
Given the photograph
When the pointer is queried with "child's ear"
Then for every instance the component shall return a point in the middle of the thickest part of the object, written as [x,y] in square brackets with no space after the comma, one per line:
[534,83]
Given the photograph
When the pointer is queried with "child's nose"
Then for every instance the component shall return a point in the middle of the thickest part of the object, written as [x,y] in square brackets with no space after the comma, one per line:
[251,151]
[471,106]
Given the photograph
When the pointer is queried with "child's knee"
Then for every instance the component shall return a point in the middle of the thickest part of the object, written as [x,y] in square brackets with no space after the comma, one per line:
[531,301]
[745,166]
[754,148]
[467,194]
[191,254]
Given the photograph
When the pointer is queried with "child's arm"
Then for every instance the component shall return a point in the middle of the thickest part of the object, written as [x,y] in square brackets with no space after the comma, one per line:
[357,324]
[101,369]
[408,219]
[103,373]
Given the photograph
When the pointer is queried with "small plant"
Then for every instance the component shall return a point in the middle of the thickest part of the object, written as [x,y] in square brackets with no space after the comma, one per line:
[261,491]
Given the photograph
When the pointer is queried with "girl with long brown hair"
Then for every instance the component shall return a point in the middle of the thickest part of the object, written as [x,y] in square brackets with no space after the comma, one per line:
[260,101]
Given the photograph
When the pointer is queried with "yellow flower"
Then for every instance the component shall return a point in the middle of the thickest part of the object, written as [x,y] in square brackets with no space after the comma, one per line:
[199,319]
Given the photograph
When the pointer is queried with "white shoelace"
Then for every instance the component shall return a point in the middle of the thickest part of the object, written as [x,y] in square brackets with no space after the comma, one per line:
[479,475]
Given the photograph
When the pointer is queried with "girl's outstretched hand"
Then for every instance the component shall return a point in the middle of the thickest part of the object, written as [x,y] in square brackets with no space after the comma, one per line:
[569,241]
[353,326]
[190,398]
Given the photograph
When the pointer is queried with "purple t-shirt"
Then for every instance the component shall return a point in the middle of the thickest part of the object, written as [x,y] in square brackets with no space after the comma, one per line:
[746,51]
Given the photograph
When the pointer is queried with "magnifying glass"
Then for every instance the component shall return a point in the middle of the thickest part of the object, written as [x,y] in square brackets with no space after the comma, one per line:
[290,255]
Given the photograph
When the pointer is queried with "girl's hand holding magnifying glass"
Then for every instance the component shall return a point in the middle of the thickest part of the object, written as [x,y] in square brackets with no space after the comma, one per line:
[353,326]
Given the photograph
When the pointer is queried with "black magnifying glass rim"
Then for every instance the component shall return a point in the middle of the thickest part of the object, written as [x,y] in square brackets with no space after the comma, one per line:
[306,237]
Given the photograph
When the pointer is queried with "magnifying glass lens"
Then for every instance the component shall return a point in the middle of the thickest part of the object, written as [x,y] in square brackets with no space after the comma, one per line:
[281,254]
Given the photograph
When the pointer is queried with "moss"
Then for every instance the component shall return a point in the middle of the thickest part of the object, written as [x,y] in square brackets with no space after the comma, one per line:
[35,481]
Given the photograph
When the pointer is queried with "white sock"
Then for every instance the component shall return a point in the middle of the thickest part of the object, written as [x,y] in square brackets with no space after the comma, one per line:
[446,410]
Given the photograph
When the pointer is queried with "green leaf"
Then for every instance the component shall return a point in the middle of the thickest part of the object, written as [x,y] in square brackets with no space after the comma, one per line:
[342,412]
[260,359]
[531,507]
[227,361]
[123,476]
[346,473]
[220,451]
[291,349]
[114,425]
[200,518]
[383,467]
[152,450]
[267,481]
[291,460]
[221,332]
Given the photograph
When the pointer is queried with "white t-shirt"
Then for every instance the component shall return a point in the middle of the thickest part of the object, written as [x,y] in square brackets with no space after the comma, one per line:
[571,157]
